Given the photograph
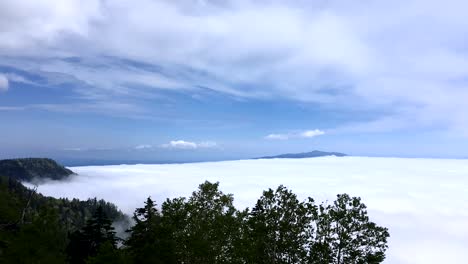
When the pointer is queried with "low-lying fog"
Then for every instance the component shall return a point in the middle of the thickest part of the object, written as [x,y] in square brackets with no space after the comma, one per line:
[423,202]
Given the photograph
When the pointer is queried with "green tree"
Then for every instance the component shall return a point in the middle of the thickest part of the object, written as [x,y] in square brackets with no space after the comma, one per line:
[279,228]
[150,241]
[345,234]
[33,228]
[205,227]
[107,253]
[40,242]
[86,242]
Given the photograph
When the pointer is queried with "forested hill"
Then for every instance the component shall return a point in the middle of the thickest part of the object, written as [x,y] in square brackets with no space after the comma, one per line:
[29,169]
[20,204]
[312,154]
[35,228]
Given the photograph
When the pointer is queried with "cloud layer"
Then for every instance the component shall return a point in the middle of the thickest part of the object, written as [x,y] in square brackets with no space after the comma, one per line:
[4,84]
[182,144]
[421,201]
[297,134]
[405,59]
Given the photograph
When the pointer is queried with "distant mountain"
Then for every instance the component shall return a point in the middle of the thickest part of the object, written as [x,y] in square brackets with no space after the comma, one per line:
[33,168]
[312,154]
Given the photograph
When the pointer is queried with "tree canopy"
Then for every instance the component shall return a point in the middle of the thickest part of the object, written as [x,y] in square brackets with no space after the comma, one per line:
[205,227]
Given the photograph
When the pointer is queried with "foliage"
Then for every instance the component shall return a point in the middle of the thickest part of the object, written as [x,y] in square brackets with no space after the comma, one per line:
[345,234]
[72,213]
[107,253]
[41,241]
[39,235]
[88,241]
[149,241]
[29,169]
[207,228]
[279,228]
[203,228]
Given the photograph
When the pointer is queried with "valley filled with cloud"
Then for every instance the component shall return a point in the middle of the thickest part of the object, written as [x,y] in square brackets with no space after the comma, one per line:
[421,201]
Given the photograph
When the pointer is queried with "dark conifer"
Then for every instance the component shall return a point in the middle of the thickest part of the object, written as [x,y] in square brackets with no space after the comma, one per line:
[87,241]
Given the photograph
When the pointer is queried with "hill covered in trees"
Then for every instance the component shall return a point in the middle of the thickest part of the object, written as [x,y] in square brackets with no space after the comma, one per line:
[34,228]
[29,169]
[311,154]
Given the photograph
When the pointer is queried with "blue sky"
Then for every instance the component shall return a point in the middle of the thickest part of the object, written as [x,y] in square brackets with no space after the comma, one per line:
[209,80]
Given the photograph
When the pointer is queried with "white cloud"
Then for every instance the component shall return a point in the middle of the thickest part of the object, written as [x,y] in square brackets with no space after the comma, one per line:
[74,149]
[12,108]
[420,200]
[4,84]
[296,134]
[312,133]
[277,136]
[182,144]
[207,144]
[90,149]
[144,146]
[403,57]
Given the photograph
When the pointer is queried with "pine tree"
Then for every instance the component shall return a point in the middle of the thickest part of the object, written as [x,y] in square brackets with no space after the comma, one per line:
[41,241]
[106,254]
[86,242]
[149,241]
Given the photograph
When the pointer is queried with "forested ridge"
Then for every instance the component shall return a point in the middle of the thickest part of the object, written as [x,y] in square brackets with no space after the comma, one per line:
[29,169]
[203,228]
[34,228]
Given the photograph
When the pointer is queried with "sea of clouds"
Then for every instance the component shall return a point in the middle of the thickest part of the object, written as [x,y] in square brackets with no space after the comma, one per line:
[423,202]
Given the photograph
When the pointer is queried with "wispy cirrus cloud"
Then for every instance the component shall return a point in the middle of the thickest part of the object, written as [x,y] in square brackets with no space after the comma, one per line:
[375,56]
[74,149]
[12,108]
[296,134]
[182,144]
[143,146]
[277,136]
[312,133]
[87,149]
[4,84]
[174,144]
[108,108]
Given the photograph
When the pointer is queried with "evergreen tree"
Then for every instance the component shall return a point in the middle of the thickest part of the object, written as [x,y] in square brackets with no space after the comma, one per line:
[150,242]
[40,242]
[108,254]
[86,242]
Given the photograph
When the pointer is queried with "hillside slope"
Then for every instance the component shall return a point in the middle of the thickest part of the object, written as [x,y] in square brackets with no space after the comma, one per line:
[312,154]
[29,169]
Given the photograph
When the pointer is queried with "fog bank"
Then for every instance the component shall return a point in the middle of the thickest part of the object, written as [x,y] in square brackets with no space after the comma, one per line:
[423,202]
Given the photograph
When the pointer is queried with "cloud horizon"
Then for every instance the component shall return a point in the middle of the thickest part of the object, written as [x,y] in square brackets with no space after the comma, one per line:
[297,134]
[417,199]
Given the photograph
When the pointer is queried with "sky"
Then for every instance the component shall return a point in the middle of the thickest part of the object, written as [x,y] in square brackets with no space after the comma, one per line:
[191,80]
[420,201]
